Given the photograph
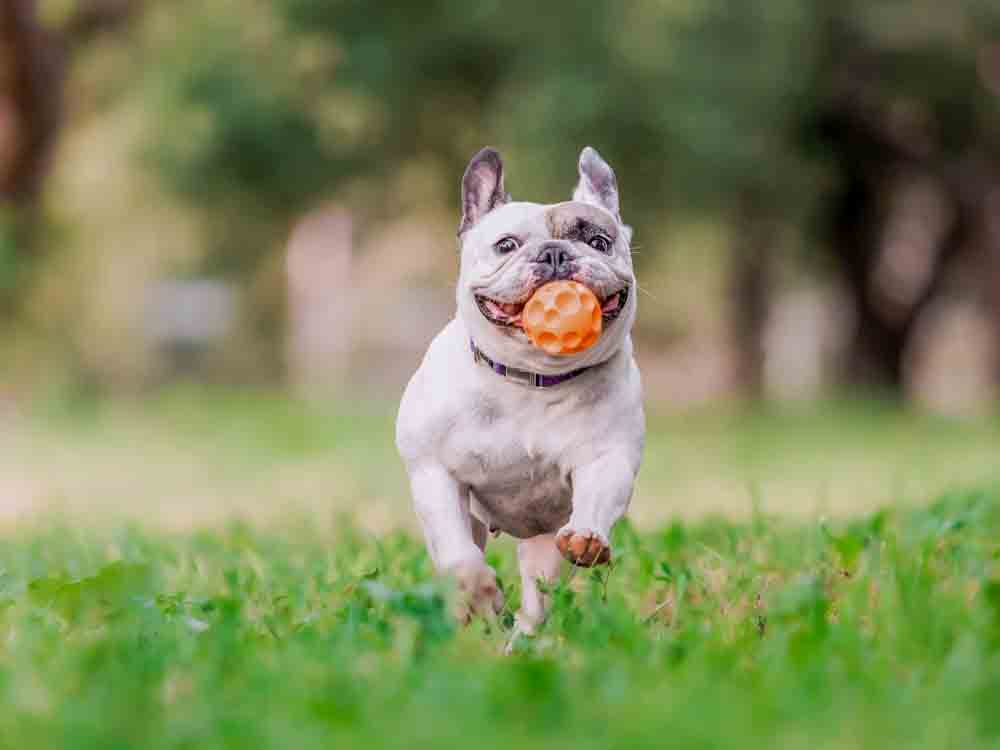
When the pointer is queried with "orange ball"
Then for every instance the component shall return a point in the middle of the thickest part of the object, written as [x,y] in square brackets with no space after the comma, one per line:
[563,317]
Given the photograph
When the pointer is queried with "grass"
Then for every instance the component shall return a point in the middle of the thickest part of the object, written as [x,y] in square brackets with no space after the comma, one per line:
[880,632]
[734,615]
[185,459]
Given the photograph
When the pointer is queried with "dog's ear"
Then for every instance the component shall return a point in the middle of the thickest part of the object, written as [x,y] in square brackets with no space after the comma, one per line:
[597,184]
[482,187]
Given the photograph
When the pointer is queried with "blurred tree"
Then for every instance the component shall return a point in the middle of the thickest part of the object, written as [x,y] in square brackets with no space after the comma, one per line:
[34,52]
[741,76]
[688,100]
[241,131]
[692,104]
[812,117]
[911,115]
[29,116]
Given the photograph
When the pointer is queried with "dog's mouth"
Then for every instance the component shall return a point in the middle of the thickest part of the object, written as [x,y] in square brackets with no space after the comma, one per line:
[509,313]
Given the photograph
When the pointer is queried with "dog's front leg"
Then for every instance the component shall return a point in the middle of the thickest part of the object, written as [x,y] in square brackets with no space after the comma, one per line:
[442,505]
[601,494]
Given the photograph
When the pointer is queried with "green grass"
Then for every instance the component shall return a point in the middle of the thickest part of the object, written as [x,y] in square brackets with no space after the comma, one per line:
[137,612]
[190,458]
[882,631]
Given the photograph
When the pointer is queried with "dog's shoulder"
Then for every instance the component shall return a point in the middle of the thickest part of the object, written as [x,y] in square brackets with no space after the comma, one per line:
[431,406]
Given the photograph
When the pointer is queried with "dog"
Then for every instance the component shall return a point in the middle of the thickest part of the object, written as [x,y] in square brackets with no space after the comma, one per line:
[498,435]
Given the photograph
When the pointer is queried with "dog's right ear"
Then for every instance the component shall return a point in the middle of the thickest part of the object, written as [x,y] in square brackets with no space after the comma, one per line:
[482,187]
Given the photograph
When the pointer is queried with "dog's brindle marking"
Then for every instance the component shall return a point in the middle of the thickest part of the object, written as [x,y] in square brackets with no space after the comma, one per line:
[579,223]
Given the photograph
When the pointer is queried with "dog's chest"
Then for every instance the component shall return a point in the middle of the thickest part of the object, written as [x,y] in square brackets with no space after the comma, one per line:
[513,466]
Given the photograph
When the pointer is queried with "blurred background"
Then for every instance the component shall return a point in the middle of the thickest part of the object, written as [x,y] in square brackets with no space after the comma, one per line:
[227,228]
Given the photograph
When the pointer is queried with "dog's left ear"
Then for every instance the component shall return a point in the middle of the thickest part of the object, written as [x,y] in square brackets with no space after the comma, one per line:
[597,184]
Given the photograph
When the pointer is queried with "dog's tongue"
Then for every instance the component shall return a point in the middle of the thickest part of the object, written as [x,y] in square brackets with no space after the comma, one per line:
[505,310]
[612,304]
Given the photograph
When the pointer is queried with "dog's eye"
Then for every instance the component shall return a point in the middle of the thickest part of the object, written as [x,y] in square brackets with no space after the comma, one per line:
[507,245]
[600,243]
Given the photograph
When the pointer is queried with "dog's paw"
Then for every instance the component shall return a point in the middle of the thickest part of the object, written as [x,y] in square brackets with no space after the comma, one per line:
[478,591]
[583,547]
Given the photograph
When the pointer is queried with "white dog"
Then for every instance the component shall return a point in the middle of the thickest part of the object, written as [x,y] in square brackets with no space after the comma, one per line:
[497,435]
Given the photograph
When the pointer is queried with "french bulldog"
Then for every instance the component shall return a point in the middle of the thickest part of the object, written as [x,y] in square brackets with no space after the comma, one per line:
[498,435]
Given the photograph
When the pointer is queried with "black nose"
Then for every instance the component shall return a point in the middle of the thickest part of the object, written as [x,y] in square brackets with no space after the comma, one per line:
[556,256]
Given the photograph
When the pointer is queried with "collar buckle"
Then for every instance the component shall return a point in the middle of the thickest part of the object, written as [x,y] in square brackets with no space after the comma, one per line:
[523,376]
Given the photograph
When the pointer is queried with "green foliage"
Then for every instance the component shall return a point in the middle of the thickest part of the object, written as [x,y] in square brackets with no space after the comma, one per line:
[702,107]
[683,98]
[880,632]
[246,130]
[9,263]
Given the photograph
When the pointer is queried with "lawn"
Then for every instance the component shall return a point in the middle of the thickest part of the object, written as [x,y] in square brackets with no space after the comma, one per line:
[754,626]
[190,458]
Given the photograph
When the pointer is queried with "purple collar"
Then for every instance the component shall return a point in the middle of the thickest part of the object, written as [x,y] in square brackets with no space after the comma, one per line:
[534,379]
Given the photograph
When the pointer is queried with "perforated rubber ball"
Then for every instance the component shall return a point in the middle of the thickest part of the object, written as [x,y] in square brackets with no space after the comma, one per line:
[563,317]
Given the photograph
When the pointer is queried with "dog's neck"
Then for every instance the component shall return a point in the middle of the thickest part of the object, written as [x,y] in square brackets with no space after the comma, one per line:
[525,377]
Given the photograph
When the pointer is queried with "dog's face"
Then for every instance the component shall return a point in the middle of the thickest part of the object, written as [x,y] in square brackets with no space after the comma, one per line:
[509,249]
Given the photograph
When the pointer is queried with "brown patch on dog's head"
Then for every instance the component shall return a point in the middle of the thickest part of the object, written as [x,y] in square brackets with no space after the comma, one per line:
[579,222]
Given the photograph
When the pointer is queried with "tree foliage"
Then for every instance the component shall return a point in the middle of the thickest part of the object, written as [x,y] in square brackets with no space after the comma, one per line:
[690,102]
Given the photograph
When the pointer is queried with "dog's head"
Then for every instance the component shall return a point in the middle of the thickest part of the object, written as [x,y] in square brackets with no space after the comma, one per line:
[509,249]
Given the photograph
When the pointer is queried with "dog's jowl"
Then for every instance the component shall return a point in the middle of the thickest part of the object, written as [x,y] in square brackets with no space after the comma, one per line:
[497,434]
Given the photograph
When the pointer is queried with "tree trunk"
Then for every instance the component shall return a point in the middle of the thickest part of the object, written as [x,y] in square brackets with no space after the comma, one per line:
[875,353]
[751,271]
[30,97]
[32,72]
[878,351]
[30,90]
[991,241]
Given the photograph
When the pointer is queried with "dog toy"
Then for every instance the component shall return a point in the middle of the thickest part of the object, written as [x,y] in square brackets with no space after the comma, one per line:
[563,317]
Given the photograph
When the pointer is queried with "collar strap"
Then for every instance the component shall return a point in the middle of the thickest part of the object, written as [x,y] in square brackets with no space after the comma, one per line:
[533,379]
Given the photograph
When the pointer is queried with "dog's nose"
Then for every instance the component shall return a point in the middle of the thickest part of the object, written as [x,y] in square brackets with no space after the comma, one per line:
[556,256]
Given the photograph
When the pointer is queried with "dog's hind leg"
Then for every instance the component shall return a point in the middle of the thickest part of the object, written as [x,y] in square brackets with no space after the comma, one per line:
[480,534]
[539,560]
[481,530]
